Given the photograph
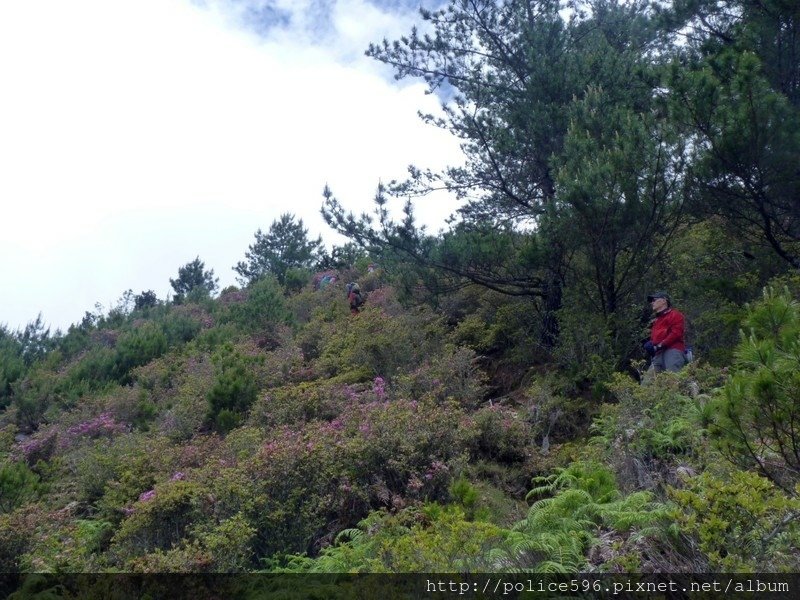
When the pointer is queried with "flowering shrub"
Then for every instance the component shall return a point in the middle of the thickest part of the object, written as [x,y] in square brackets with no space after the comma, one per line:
[147,496]
[312,477]
[379,388]
[101,425]
[39,446]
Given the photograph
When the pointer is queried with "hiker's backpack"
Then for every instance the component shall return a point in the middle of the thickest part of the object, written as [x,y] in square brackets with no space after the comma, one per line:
[357,298]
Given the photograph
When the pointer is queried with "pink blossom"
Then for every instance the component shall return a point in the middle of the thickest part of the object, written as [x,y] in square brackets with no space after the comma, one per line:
[102,424]
[147,496]
[379,388]
[179,476]
[40,445]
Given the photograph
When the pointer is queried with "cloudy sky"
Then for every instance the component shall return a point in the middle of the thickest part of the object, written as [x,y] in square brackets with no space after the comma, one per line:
[135,136]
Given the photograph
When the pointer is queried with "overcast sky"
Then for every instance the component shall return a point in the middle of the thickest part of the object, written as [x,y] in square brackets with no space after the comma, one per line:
[135,136]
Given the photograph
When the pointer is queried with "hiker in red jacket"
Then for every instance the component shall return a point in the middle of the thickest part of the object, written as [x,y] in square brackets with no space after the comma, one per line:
[666,345]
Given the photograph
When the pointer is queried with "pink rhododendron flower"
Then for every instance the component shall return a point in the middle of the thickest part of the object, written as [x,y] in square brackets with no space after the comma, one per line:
[379,388]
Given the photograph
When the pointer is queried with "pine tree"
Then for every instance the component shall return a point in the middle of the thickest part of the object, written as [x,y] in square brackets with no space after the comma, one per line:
[283,247]
[195,280]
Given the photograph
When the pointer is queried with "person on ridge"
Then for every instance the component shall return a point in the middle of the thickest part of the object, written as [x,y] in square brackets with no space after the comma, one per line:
[666,345]
[354,297]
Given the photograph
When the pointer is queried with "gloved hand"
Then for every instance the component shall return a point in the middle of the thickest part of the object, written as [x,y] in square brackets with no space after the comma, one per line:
[649,348]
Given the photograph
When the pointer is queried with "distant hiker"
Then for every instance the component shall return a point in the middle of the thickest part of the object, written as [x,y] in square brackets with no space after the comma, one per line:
[666,345]
[324,279]
[355,297]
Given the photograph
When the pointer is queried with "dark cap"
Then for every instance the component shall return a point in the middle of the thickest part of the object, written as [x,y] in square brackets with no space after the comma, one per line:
[655,295]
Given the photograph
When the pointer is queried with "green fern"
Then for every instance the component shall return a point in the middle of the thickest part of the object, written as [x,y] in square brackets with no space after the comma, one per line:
[559,530]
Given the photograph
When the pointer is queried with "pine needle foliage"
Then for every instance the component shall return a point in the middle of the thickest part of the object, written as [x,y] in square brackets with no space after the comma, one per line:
[758,418]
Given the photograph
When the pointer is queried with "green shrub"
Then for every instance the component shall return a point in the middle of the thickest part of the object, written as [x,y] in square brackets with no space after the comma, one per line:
[303,402]
[264,307]
[588,349]
[65,544]
[234,390]
[380,345]
[183,323]
[18,485]
[742,522]
[16,538]
[555,417]
[445,541]
[160,519]
[112,473]
[501,434]
[433,539]
[210,339]
[37,393]
[222,548]
[138,347]
[296,278]
[176,385]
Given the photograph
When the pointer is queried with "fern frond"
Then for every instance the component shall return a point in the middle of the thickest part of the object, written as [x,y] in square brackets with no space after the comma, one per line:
[349,535]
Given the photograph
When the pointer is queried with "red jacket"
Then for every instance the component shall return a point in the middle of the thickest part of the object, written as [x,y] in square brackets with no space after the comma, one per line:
[668,330]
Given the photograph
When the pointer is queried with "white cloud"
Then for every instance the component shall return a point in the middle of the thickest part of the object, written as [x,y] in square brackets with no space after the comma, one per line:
[136,136]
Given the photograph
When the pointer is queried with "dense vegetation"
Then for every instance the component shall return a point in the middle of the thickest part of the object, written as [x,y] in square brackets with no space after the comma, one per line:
[483,411]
